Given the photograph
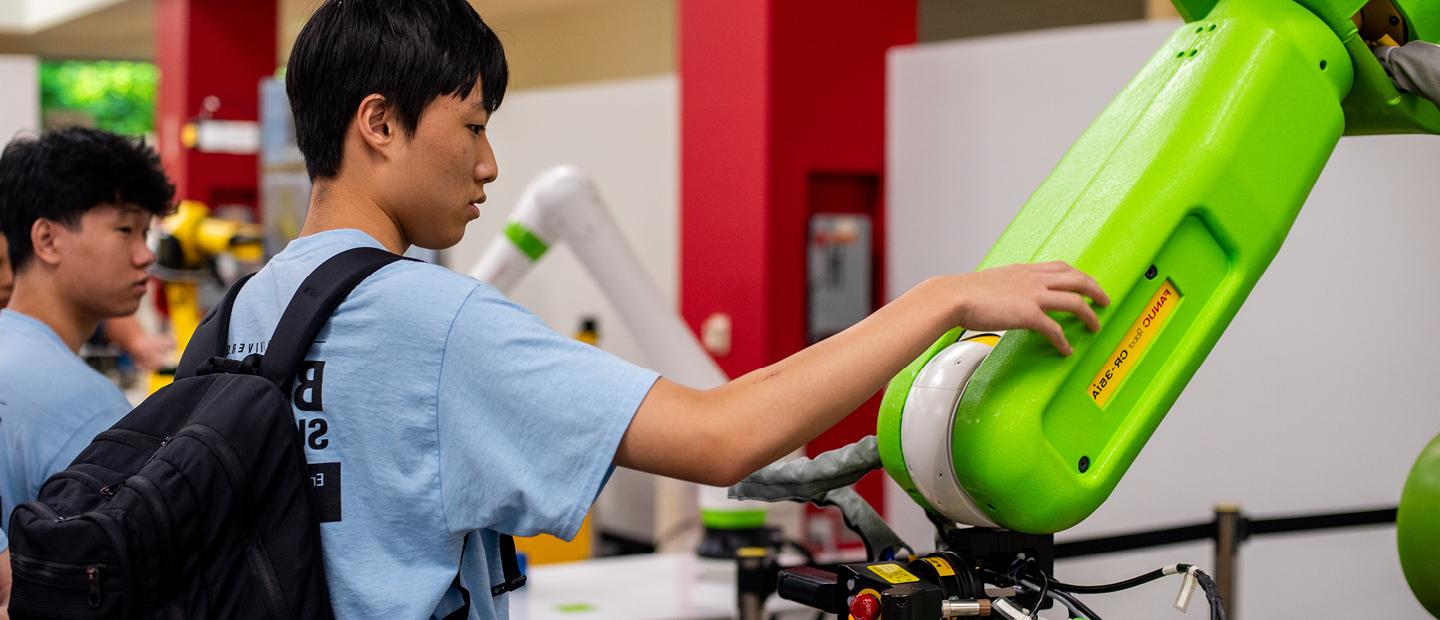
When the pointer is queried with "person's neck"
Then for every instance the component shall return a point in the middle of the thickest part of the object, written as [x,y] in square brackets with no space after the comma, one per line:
[335,205]
[38,297]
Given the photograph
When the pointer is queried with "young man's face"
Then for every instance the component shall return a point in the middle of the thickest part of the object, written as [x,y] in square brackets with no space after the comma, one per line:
[7,277]
[441,171]
[101,263]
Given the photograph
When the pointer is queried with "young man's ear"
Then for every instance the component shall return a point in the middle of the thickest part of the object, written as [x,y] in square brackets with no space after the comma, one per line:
[45,238]
[376,121]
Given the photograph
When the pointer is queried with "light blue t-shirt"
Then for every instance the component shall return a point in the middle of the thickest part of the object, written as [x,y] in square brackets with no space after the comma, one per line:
[51,405]
[432,407]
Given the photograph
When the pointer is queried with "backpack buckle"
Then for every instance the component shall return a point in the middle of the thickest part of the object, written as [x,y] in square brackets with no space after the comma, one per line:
[224,365]
[509,586]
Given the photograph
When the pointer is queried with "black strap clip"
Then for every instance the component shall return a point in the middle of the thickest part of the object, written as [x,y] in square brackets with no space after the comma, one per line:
[224,365]
[509,586]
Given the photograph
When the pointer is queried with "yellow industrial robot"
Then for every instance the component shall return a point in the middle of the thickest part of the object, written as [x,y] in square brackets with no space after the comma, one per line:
[190,240]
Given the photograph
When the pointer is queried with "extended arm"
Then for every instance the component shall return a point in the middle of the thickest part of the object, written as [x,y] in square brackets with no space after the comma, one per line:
[718,436]
[4,584]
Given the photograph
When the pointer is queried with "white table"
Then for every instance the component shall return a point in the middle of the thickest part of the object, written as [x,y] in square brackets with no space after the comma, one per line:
[671,586]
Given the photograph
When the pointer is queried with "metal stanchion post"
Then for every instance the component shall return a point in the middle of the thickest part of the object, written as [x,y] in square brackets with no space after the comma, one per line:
[756,572]
[1227,547]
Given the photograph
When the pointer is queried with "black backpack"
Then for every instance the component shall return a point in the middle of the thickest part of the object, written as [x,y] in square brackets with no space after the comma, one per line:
[198,503]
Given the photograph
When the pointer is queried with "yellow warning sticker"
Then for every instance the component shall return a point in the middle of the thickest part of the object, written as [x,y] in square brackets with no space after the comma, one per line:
[941,567]
[1137,339]
[893,573]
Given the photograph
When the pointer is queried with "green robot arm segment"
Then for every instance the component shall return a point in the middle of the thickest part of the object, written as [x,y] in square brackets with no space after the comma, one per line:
[1176,199]
[1190,179]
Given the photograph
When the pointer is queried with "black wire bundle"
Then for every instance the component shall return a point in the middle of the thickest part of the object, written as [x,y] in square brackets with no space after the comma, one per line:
[1016,576]
[1212,592]
[1077,608]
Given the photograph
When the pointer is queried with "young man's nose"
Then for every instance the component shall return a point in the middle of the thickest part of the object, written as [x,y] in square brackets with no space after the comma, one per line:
[487,169]
[143,257]
[486,172]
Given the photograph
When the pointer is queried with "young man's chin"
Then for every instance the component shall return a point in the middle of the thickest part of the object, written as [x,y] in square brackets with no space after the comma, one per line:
[441,241]
[125,308]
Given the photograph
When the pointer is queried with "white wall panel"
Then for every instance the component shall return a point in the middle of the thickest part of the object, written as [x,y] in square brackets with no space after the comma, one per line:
[20,107]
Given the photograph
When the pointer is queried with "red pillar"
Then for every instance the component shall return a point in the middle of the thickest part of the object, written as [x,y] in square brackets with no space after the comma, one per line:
[776,96]
[205,49]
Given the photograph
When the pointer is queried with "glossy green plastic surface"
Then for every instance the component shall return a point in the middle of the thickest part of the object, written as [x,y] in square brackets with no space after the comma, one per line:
[1199,168]
[1417,528]
[1374,105]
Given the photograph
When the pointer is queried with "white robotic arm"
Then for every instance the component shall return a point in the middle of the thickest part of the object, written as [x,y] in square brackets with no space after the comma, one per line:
[562,205]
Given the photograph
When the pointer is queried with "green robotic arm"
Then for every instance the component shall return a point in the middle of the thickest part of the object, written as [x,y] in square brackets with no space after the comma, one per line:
[1176,199]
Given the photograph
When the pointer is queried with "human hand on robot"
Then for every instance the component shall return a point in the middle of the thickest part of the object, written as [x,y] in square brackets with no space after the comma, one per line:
[1020,296]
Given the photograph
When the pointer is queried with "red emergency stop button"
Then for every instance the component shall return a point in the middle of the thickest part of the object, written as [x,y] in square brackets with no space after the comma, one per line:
[865,607]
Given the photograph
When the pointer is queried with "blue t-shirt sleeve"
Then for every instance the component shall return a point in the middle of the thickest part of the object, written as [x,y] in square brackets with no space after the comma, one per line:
[529,420]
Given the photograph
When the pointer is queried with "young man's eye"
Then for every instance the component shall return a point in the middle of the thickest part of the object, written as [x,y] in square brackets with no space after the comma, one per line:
[125,230]
[475,129]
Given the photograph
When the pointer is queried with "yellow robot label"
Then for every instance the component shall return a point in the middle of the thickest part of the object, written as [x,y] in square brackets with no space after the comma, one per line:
[893,573]
[1139,337]
[942,567]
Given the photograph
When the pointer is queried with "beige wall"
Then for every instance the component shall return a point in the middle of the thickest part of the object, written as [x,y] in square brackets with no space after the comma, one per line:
[555,42]
[955,19]
[548,42]
[1160,9]
[125,31]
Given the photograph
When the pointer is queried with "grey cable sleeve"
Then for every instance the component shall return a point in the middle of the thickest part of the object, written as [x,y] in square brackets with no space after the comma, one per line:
[1415,67]
[825,481]
[804,479]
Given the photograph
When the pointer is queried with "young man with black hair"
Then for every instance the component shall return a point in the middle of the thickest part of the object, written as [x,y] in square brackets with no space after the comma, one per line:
[75,205]
[436,413]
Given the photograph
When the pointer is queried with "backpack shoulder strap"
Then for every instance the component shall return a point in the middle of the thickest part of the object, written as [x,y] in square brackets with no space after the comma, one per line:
[318,296]
[212,335]
[510,566]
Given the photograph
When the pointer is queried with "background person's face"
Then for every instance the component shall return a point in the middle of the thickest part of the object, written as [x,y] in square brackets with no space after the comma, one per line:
[103,261]
[7,277]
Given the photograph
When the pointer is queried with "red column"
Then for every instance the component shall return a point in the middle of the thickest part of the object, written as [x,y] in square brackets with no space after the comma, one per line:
[774,93]
[205,49]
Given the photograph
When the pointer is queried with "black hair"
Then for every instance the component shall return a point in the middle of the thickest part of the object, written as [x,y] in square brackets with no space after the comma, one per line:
[62,174]
[407,51]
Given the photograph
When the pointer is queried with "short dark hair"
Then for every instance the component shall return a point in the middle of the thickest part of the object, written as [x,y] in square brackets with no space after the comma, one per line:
[62,174]
[407,51]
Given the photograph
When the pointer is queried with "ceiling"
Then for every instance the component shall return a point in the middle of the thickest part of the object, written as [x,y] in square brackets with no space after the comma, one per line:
[125,29]
[121,31]
[561,41]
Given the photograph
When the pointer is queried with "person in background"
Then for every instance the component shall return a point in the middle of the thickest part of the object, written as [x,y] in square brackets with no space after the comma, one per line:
[75,205]
[7,283]
[7,277]
[147,350]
